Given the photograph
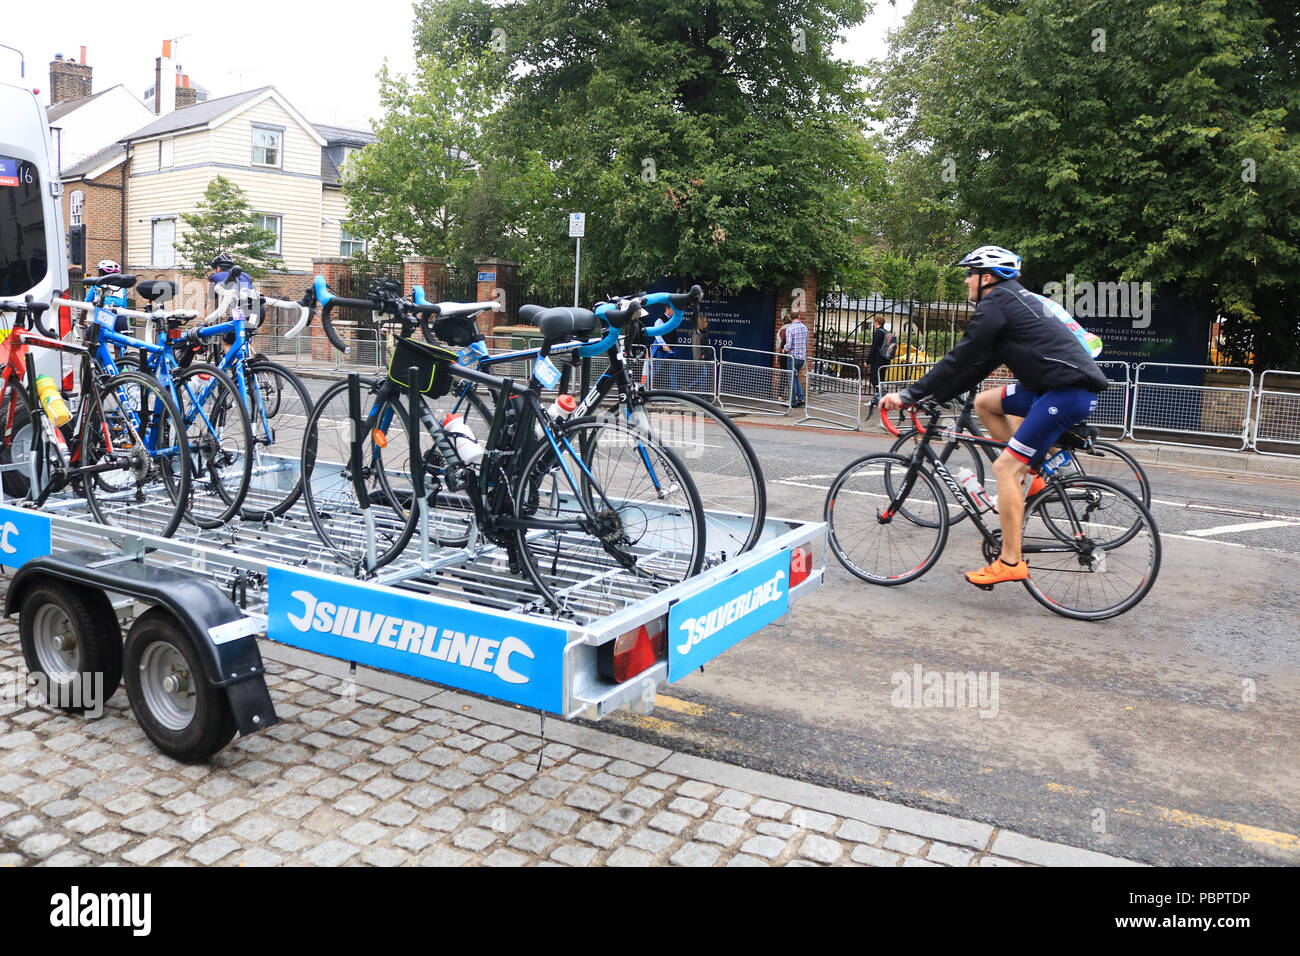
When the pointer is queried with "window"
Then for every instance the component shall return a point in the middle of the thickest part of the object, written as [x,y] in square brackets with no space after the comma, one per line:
[75,204]
[270,224]
[268,143]
[164,244]
[350,244]
[23,259]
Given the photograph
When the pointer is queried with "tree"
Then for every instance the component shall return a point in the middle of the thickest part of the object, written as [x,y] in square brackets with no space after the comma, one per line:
[224,222]
[720,140]
[1130,139]
[404,189]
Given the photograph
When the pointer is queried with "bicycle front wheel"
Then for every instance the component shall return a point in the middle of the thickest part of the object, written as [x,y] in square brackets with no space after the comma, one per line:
[278,407]
[367,527]
[723,467]
[133,445]
[887,521]
[220,440]
[1093,548]
[956,455]
[636,522]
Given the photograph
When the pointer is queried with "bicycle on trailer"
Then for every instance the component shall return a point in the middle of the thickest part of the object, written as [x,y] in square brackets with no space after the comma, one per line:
[575,504]
[276,400]
[1078,451]
[217,429]
[1095,547]
[735,492]
[124,449]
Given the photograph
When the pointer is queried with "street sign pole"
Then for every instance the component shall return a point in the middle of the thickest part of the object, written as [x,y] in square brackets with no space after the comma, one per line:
[577,266]
[577,229]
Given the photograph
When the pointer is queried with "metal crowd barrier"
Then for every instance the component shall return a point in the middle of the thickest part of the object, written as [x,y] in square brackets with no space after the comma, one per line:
[1211,411]
[753,381]
[1277,414]
[697,375]
[834,395]
[1113,404]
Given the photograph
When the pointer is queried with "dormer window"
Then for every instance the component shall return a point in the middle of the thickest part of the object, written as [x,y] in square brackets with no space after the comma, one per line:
[268,146]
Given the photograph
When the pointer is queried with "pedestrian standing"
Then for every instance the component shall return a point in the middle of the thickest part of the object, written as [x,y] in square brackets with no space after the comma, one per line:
[876,360]
[795,344]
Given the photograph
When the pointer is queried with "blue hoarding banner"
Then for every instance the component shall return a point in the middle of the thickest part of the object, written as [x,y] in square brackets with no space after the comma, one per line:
[743,320]
[504,657]
[23,535]
[703,626]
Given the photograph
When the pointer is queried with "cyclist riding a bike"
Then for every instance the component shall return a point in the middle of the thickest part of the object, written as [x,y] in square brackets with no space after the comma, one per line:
[1057,383]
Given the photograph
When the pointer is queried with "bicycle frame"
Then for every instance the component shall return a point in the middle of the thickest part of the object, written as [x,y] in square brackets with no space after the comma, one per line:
[924,454]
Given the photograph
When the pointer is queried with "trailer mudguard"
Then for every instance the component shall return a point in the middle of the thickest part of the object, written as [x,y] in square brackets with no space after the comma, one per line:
[224,636]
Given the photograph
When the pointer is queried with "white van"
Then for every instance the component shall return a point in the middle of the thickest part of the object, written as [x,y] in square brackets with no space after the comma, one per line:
[33,258]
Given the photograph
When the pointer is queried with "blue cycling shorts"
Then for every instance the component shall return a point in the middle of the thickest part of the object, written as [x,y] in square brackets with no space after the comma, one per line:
[1046,417]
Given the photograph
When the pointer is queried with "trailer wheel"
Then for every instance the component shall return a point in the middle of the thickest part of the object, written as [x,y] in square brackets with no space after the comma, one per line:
[185,716]
[69,640]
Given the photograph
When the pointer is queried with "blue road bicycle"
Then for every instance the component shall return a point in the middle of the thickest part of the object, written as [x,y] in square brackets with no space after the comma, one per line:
[216,425]
[276,400]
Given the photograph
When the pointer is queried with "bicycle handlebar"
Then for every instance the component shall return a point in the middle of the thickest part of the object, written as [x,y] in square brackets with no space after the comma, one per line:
[678,300]
[35,309]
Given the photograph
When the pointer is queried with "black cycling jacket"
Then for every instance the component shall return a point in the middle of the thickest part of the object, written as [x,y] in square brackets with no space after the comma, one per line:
[1011,327]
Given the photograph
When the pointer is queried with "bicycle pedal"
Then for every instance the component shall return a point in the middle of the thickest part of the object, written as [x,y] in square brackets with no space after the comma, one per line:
[982,587]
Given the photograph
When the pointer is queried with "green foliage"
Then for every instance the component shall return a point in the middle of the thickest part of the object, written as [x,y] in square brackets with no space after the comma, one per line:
[895,277]
[925,280]
[223,222]
[721,140]
[1111,139]
[952,284]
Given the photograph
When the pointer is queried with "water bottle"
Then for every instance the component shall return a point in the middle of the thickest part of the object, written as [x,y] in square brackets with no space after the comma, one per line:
[52,400]
[560,409]
[966,478]
[467,446]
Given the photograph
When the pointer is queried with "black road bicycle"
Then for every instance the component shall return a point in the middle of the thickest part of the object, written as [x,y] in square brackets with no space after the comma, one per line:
[1092,545]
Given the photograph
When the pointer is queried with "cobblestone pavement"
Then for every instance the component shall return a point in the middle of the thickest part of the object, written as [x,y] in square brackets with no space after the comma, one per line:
[390,771]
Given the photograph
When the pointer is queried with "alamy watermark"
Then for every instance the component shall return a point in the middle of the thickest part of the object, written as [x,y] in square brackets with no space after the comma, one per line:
[1123,300]
[83,693]
[922,688]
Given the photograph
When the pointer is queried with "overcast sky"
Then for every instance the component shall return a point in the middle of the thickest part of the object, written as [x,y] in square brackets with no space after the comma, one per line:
[324,64]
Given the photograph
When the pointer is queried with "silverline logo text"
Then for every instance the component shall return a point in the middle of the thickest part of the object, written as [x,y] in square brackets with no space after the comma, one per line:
[706,625]
[413,637]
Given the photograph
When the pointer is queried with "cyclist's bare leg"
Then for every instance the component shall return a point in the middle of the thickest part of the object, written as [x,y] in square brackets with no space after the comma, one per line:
[999,425]
[1010,472]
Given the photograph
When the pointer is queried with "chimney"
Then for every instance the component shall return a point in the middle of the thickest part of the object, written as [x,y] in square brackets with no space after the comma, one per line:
[186,95]
[164,85]
[69,80]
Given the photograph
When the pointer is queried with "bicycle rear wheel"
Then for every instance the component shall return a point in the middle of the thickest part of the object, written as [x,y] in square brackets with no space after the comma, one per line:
[337,511]
[874,544]
[649,527]
[1106,460]
[278,408]
[220,440]
[135,434]
[723,467]
[1093,548]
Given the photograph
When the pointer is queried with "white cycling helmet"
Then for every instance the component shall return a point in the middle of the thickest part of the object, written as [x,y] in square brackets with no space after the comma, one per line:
[1001,262]
[107,267]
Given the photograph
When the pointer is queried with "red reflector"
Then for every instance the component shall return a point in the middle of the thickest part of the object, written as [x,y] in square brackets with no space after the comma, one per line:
[640,649]
[65,317]
[800,564]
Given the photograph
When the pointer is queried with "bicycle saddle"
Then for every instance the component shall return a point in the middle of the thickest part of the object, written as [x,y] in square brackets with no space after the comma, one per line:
[157,289]
[559,323]
[117,280]
[1079,436]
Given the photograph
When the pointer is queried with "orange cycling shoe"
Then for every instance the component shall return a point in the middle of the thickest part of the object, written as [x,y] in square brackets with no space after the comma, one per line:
[1035,486]
[997,573]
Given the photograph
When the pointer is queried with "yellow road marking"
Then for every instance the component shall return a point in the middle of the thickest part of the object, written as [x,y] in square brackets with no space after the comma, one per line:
[1251,834]
[1247,832]
[680,706]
